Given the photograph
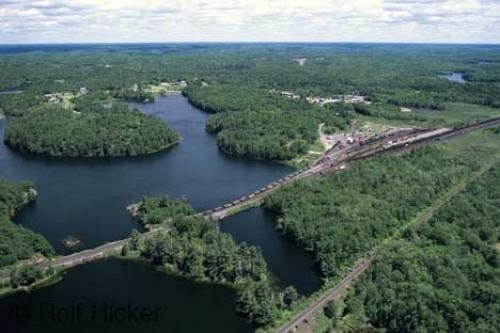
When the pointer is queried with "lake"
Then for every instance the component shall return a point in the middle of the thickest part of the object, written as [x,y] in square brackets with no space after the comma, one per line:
[87,199]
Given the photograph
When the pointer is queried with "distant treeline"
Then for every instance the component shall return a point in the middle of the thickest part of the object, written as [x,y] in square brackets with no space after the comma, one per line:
[249,79]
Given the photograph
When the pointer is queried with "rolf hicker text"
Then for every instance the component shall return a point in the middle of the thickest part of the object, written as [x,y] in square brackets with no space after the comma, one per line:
[94,312]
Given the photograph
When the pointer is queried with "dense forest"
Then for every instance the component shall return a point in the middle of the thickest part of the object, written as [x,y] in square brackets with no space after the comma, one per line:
[194,248]
[16,242]
[278,135]
[54,131]
[440,276]
[250,80]
[342,216]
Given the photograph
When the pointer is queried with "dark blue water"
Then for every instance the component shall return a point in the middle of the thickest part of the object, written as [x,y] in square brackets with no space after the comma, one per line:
[180,305]
[87,199]
[290,264]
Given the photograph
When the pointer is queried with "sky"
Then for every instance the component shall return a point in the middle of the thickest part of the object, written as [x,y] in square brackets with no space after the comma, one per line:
[109,21]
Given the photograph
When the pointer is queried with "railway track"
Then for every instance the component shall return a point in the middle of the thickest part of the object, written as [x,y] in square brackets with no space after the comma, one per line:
[332,294]
[335,292]
[220,212]
[403,146]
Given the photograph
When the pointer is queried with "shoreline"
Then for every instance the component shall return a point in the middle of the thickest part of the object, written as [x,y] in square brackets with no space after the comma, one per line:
[7,290]
[170,93]
[95,158]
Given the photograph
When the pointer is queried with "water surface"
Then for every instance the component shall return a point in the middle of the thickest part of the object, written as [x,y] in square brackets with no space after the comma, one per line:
[290,263]
[113,284]
[87,198]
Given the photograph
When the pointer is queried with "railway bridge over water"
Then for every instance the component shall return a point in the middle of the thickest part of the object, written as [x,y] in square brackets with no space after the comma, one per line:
[333,160]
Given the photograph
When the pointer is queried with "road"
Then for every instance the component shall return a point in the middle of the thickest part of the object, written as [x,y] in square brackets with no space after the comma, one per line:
[333,161]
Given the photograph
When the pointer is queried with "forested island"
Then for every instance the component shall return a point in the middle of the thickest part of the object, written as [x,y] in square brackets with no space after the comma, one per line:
[195,249]
[54,131]
[16,242]
[151,211]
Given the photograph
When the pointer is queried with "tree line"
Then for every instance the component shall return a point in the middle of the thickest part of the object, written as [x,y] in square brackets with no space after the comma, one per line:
[248,79]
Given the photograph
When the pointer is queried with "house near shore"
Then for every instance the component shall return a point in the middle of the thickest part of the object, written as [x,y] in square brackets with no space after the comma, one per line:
[289,95]
[53,98]
[299,60]
[82,91]
[351,99]
[286,94]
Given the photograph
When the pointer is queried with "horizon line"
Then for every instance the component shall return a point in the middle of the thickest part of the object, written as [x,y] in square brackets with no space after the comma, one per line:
[249,42]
